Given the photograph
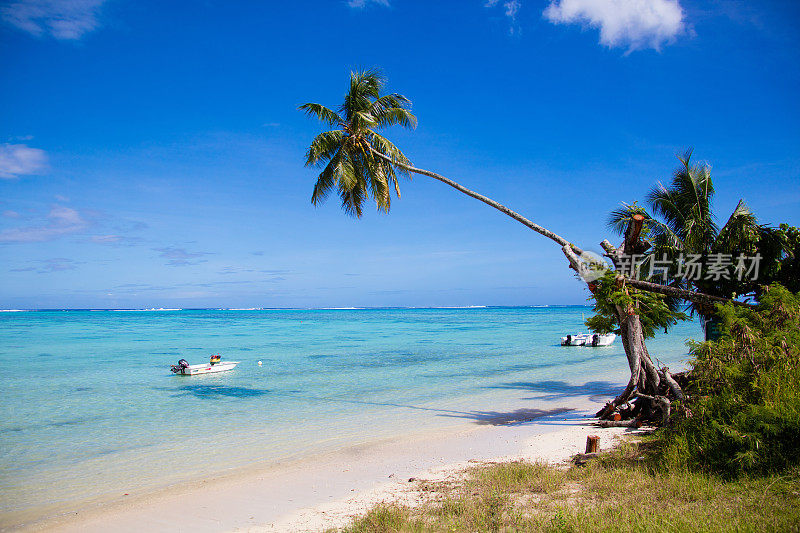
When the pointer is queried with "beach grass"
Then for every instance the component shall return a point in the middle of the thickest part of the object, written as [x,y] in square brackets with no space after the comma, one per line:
[621,491]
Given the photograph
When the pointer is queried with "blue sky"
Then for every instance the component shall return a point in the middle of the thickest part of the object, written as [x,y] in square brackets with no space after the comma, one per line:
[151,155]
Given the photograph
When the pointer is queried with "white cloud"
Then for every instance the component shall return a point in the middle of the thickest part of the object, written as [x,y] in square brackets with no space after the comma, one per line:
[512,6]
[63,19]
[106,239]
[61,221]
[510,9]
[115,240]
[45,266]
[180,256]
[20,159]
[65,216]
[634,24]
[364,3]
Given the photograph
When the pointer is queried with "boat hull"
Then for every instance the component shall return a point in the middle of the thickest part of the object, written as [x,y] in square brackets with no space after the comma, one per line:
[207,368]
[592,340]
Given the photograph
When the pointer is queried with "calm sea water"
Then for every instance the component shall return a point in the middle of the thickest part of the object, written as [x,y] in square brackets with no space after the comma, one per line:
[92,409]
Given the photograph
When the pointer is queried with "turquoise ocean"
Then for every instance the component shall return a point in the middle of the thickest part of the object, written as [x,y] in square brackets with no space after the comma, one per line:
[92,410]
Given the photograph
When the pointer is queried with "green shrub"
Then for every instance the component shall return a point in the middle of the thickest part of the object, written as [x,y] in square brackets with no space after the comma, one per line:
[653,309]
[742,415]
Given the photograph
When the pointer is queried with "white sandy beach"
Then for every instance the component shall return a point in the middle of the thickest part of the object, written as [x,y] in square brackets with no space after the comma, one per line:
[327,490]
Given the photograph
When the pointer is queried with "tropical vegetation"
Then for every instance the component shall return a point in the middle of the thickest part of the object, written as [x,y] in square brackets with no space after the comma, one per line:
[349,154]
[725,456]
[741,414]
[681,227]
[360,164]
[734,415]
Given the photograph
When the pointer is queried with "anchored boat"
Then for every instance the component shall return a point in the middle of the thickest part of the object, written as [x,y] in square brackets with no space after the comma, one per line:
[588,339]
[214,365]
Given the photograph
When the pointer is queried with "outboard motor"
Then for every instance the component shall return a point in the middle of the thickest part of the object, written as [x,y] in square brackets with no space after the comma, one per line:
[569,340]
[595,339]
[182,365]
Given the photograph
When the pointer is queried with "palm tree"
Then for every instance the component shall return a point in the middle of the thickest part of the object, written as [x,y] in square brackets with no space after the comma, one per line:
[347,154]
[360,164]
[682,223]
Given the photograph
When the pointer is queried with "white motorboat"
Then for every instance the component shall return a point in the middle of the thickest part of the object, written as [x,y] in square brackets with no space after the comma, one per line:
[574,340]
[183,368]
[588,339]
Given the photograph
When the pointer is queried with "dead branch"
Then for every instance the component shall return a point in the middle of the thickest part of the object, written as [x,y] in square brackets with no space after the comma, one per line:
[619,423]
[662,402]
[672,384]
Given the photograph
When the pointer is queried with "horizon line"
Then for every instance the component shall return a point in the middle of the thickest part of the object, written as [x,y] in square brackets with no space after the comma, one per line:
[364,308]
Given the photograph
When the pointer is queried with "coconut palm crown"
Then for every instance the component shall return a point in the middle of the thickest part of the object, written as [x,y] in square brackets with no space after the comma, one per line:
[347,154]
[681,221]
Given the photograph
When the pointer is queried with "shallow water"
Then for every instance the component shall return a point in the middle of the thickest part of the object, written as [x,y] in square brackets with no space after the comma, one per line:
[92,409]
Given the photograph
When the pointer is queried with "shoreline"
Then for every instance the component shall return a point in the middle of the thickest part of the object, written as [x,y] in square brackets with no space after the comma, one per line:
[307,493]
[326,384]
[554,447]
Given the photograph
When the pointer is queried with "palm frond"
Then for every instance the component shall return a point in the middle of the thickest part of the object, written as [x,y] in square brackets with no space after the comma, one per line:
[353,197]
[348,153]
[365,87]
[379,188]
[346,175]
[396,116]
[323,147]
[326,180]
[664,239]
[388,101]
[362,120]
[322,113]
[663,203]
[685,206]
[740,233]
[385,146]
[620,218]
[393,109]
[368,81]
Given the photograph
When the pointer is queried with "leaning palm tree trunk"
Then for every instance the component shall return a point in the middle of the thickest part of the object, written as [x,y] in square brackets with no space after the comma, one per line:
[649,385]
[359,163]
[692,296]
[488,201]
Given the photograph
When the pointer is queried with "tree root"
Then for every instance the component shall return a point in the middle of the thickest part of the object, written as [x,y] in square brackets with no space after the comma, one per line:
[653,406]
[635,423]
[671,383]
[654,389]
[661,402]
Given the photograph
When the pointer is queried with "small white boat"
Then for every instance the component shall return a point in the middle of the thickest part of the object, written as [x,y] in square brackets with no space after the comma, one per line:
[183,368]
[588,339]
